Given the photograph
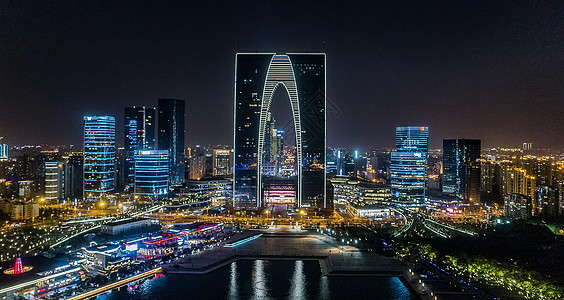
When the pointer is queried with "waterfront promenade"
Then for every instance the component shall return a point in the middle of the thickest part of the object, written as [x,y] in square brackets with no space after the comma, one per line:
[287,243]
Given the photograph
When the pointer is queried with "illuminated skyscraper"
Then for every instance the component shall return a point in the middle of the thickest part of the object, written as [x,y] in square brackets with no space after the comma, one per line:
[331,161]
[278,150]
[99,154]
[409,165]
[461,169]
[53,181]
[221,162]
[139,134]
[151,173]
[171,129]
[257,77]
[3,151]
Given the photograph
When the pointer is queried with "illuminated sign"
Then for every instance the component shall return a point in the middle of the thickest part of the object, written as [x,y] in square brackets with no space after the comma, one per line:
[131,247]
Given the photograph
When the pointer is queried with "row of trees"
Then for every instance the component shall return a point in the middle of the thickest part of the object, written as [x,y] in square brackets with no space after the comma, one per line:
[512,276]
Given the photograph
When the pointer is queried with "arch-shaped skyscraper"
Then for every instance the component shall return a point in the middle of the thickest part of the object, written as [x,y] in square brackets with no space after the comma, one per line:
[257,77]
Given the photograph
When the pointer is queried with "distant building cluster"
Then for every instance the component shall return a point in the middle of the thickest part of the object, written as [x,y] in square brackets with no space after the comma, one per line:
[536,179]
[20,210]
[264,168]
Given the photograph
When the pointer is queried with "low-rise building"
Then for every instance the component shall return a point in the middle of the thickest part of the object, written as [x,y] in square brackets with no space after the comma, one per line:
[348,189]
[369,211]
[106,256]
[121,226]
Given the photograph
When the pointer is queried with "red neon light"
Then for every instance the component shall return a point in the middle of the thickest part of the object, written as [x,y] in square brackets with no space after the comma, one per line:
[177,236]
[18,268]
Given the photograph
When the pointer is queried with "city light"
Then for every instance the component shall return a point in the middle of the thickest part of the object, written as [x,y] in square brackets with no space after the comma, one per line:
[364,150]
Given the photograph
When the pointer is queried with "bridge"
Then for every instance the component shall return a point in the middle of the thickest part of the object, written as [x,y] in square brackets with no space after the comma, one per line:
[117,284]
[66,239]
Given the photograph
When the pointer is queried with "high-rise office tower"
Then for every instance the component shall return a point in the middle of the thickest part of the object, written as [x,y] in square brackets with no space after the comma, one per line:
[73,175]
[122,159]
[198,164]
[171,131]
[257,77]
[331,161]
[340,162]
[53,181]
[461,169]
[269,140]
[151,173]
[99,155]
[221,162]
[3,151]
[139,134]
[277,150]
[371,167]
[491,182]
[409,165]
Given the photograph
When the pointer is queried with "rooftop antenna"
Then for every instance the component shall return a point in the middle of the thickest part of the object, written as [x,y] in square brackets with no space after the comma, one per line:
[323,46]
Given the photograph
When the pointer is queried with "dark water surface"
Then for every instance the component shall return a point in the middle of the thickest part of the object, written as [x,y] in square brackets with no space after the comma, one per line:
[263,279]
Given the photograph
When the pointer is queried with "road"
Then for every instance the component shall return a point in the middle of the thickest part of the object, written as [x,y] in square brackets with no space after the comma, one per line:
[117,284]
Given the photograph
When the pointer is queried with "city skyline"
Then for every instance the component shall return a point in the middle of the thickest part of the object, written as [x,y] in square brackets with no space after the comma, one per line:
[461,70]
[272,150]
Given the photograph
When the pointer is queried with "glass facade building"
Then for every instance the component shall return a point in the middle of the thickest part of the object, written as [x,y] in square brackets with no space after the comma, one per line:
[151,173]
[409,165]
[171,132]
[461,169]
[257,77]
[53,181]
[99,155]
[221,161]
[3,152]
[139,134]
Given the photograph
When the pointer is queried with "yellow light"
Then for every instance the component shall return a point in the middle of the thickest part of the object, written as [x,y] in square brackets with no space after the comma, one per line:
[102,203]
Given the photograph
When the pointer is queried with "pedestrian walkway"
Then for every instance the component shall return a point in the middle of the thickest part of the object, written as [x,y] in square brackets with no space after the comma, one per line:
[285,243]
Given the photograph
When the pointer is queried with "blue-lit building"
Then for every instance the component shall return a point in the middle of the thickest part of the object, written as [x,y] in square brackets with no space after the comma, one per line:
[332,161]
[257,77]
[3,151]
[152,173]
[171,132]
[461,169]
[139,134]
[409,165]
[99,155]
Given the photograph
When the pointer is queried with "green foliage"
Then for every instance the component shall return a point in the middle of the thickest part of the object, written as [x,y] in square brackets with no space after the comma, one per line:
[427,252]
[403,250]
[511,276]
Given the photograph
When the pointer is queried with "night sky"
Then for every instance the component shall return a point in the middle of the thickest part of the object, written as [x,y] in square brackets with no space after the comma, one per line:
[491,70]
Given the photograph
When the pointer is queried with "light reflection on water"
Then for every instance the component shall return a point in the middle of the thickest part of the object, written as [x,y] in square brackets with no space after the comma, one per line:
[298,288]
[233,289]
[261,279]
